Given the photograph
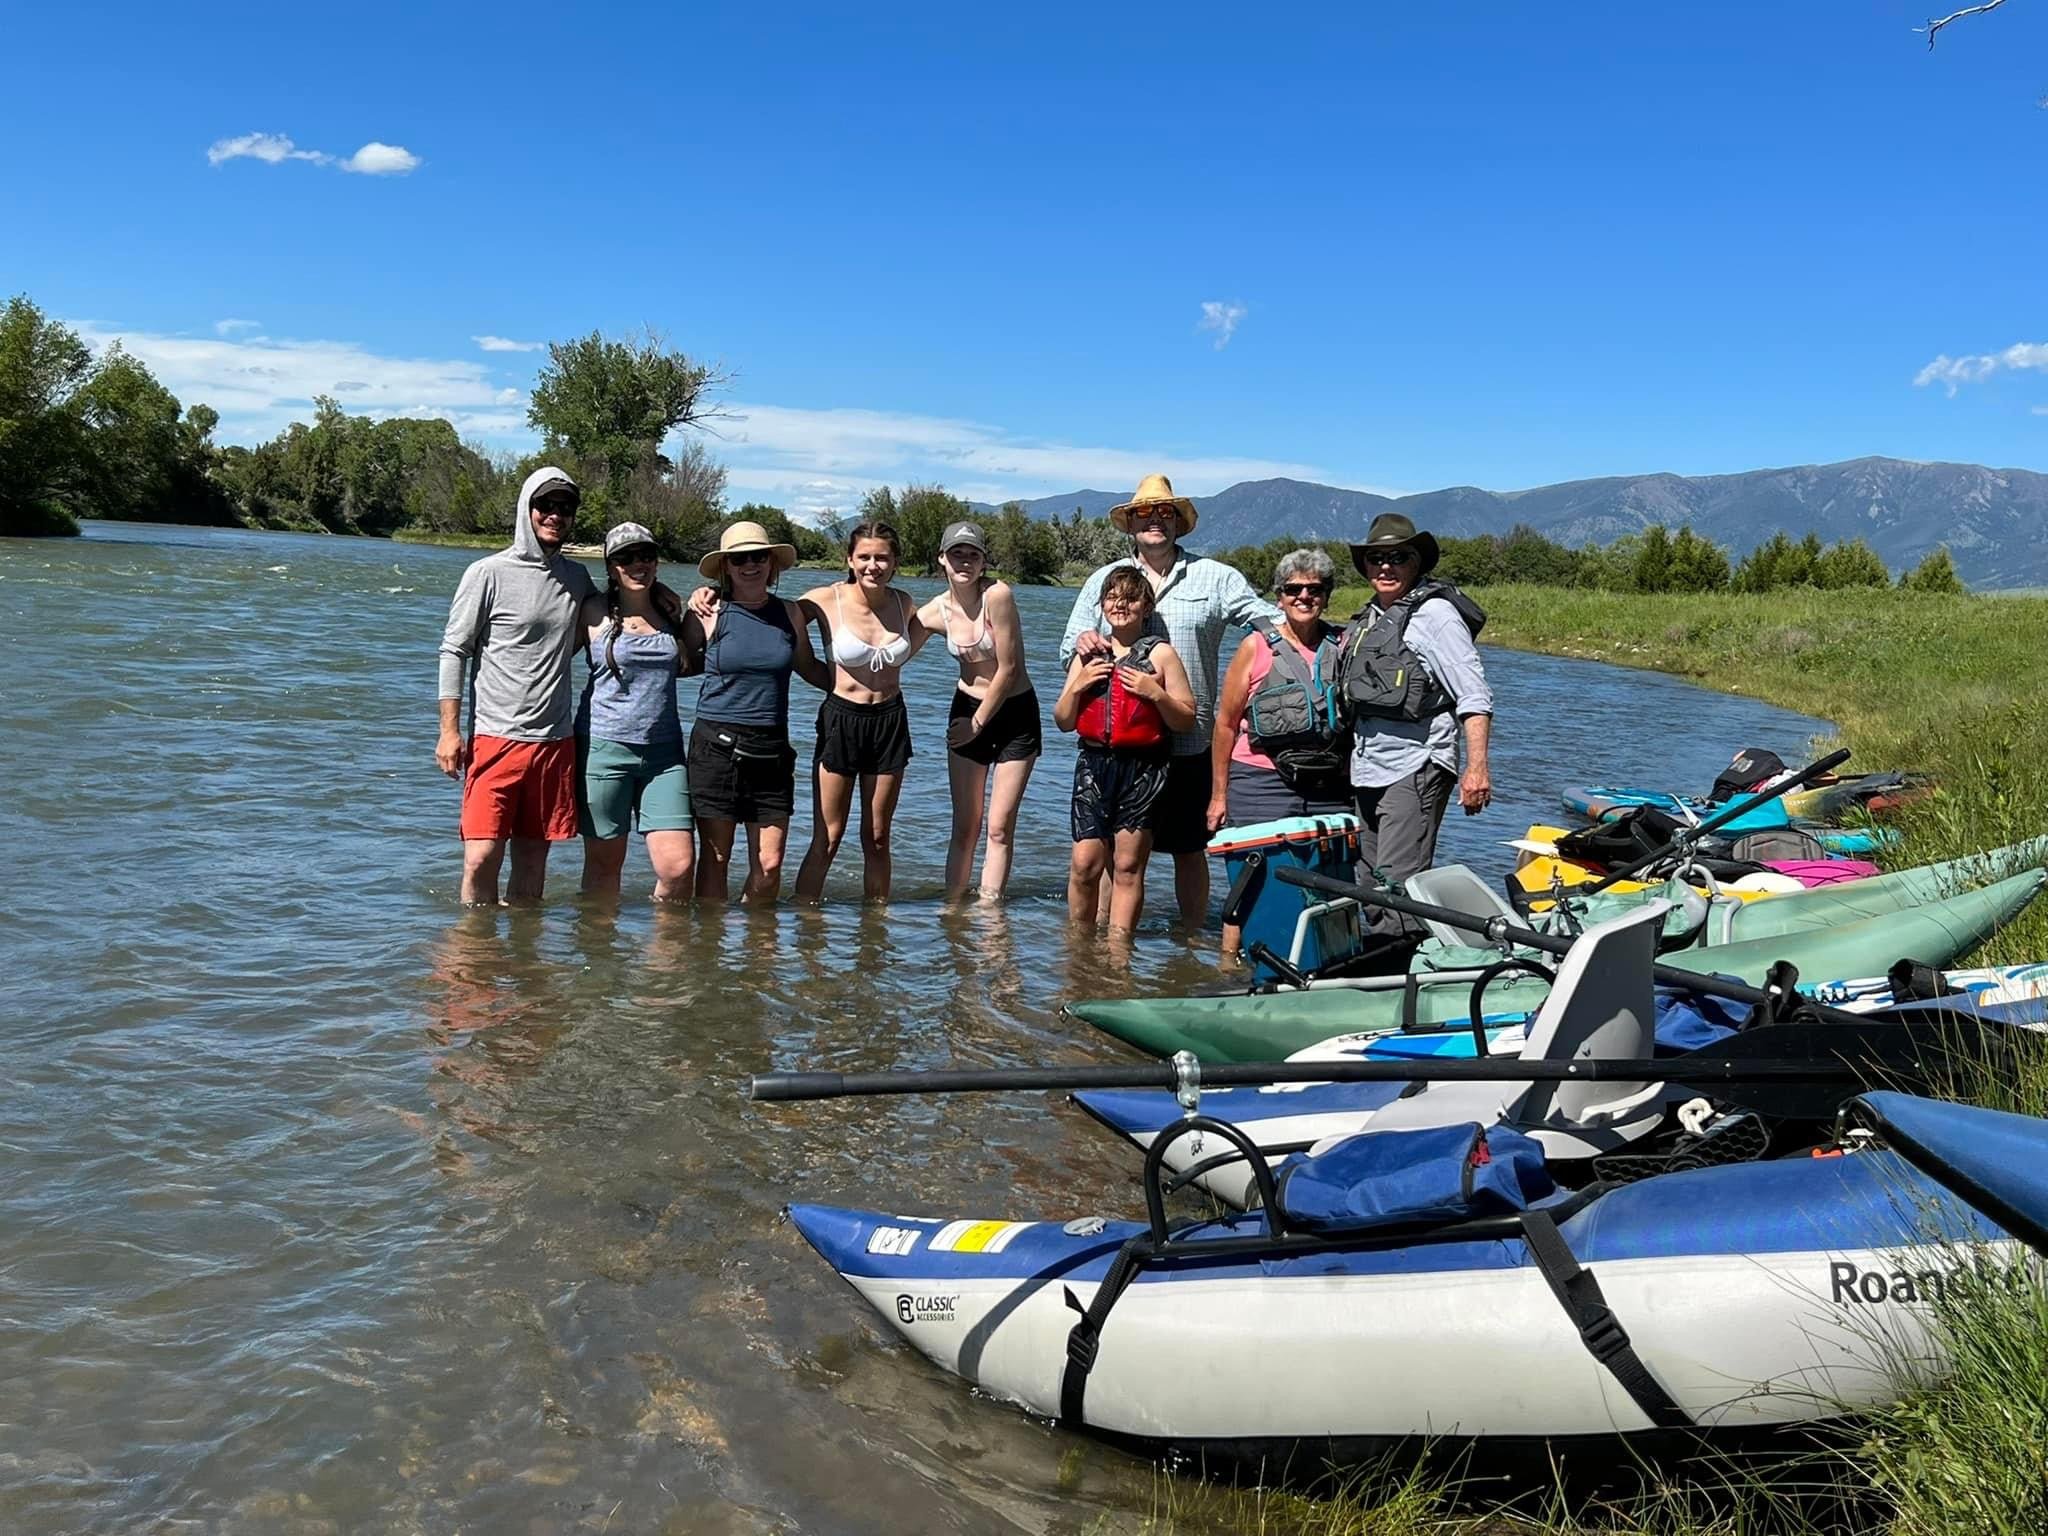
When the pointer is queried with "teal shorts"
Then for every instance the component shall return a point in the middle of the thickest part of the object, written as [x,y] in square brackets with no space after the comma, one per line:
[623,782]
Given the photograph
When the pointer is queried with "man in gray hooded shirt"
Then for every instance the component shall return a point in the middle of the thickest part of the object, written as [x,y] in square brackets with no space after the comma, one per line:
[515,615]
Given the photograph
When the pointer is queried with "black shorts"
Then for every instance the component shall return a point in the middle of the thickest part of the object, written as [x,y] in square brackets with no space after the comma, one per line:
[1180,821]
[1012,734]
[741,773]
[855,739]
[1115,792]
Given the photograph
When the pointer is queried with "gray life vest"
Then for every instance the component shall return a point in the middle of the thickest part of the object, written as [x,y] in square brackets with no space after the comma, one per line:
[1379,676]
[1295,706]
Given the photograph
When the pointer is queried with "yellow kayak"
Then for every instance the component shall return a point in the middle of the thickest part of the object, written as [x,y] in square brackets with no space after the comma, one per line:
[1540,863]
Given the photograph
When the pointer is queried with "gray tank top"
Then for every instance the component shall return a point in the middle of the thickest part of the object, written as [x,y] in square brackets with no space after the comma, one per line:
[747,666]
[639,705]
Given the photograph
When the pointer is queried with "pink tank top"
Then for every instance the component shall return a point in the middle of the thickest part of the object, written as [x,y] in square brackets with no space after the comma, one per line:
[1262,665]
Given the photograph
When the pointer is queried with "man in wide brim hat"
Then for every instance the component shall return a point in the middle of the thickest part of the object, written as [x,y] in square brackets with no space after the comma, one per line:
[1154,491]
[741,539]
[1391,531]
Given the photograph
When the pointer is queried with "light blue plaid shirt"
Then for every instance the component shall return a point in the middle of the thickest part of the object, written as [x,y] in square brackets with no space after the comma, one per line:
[1198,605]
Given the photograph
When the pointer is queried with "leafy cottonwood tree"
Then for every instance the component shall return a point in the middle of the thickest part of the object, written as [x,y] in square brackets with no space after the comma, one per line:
[43,365]
[609,405]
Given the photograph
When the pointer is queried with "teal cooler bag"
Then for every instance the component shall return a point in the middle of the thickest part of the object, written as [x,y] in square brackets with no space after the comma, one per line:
[1269,910]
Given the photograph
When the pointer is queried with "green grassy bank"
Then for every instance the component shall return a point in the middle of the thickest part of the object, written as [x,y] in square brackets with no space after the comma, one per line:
[1953,687]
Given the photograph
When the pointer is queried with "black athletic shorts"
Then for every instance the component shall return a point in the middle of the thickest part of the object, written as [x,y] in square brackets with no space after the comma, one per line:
[854,739]
[741,773]
[1114,792]
[1012,734]
[1180,821]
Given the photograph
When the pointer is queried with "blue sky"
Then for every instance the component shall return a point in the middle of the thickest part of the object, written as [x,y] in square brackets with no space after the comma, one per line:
[1483,244]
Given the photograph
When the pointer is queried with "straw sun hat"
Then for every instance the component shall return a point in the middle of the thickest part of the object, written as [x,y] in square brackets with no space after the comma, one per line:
[1154,491]
[739,539]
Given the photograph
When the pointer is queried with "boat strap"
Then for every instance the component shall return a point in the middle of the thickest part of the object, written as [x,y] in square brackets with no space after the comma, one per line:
[1084,1339]
[1599,1329]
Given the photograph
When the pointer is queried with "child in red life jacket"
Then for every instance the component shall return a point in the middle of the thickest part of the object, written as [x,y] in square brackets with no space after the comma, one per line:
[1124,707]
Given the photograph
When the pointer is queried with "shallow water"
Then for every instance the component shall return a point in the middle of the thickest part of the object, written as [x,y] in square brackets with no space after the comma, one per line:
[329,1206]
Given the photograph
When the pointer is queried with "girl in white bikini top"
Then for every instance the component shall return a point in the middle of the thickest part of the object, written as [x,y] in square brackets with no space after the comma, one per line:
[981,648]
[856,655]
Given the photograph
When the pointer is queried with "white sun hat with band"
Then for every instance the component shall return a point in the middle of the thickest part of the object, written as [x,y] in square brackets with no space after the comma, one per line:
[741,539]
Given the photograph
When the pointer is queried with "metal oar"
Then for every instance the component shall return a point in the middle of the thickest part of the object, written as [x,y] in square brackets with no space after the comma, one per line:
[1689,835]
[1780,1070]
[1498,930]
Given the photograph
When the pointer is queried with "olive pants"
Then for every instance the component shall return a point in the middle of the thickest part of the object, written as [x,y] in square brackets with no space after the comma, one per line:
[1398,837]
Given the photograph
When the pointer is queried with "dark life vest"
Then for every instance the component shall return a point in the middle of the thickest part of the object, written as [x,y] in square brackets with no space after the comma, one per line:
[1380,677]
[1114,717]
[1751,767]
[1294,715]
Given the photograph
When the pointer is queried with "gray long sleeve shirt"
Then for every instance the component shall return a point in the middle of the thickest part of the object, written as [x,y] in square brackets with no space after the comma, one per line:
[1386,751]
[516,618]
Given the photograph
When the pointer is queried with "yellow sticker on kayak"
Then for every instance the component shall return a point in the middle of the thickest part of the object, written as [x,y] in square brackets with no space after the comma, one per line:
[976,1236]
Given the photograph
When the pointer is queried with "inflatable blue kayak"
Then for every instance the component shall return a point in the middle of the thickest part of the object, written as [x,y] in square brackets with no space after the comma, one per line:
[1606,803]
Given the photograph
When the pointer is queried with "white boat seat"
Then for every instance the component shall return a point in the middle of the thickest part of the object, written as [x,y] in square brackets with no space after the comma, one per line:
[1457,887]
[1603,1005]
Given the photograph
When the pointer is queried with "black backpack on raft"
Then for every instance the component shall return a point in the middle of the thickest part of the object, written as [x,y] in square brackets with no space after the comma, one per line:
[1379,675]
[1295,716]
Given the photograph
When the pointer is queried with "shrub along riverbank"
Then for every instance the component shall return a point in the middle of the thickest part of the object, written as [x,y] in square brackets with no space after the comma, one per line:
[1948,686]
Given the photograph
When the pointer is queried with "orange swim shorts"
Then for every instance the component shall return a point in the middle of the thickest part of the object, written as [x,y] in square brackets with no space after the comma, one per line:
[523,789]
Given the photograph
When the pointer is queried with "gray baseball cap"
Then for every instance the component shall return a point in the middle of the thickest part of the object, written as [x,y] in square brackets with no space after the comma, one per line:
[625,536]
[969,534]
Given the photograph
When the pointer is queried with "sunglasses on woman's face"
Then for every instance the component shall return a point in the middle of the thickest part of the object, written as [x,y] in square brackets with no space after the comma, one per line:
[748,557]
[1394,557]
[1304,589]
[639,554]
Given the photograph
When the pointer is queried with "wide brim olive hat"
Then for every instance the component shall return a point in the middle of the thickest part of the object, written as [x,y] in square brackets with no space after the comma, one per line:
[1154,491]
[1390,530]
[740,539]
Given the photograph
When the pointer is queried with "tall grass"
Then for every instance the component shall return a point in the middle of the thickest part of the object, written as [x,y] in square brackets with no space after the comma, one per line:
[1950,687]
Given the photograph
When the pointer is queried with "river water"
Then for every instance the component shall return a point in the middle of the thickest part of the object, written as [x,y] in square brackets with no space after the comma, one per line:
[327,1205]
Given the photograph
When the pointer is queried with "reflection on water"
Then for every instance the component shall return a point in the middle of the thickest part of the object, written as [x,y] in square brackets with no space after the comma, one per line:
[329,1205]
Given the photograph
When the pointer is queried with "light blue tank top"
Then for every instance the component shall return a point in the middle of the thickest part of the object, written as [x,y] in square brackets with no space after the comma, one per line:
[639,705]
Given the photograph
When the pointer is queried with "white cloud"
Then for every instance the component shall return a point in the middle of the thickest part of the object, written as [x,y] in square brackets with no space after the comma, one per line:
[1221,316]
[373,159]
[1951,372]
[230,327]
[261,383]
[503,344]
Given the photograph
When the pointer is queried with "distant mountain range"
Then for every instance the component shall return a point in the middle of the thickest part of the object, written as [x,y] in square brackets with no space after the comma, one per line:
[1994,521]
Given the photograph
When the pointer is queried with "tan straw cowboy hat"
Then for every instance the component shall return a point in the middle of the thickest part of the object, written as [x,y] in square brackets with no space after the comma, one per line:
[1154,491]
[740,539]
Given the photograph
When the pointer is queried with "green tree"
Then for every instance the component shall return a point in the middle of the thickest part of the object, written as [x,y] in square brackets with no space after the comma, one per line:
[1936,573]
[43,365]
[1697,564]
[1652,568]
[1759,570]
[1850,563]
[610,404]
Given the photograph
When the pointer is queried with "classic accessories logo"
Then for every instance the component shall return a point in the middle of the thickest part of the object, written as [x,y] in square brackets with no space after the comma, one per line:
[925,1309]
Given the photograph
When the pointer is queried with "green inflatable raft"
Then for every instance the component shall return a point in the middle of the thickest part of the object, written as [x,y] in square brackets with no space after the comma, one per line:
[1266,1026]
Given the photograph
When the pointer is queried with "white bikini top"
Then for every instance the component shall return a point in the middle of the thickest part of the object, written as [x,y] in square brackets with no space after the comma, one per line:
[982,647]
[854,653]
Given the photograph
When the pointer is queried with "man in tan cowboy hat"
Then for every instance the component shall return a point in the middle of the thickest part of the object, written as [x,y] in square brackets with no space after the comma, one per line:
[1404,760]
[1196,602]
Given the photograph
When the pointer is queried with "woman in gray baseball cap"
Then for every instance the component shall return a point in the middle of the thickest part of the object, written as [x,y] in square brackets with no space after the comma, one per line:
[994,730]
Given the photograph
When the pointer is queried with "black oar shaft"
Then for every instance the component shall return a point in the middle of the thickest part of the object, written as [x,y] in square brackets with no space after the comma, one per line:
[1721,818]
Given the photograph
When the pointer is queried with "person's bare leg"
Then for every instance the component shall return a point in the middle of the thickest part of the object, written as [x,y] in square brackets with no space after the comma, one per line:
[831,805]
[968,780]
[878,795]
[604,858]
[529,869]
[766,841]
[481,858]
[1003,804]
[1084,880]
[714,864]
[674,857]
[1191,887]
[1127,880]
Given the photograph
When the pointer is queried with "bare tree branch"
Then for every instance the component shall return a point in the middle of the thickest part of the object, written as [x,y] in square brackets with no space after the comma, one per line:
[1934,26]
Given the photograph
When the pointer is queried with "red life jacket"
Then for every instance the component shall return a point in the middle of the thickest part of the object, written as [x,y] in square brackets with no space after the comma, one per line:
[1112,716]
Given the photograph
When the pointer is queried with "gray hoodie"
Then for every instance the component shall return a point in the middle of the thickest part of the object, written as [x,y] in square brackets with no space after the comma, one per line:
[515,614]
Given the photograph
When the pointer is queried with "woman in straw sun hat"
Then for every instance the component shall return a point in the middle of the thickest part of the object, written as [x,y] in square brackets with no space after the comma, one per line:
[1196,602]
[742,767]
